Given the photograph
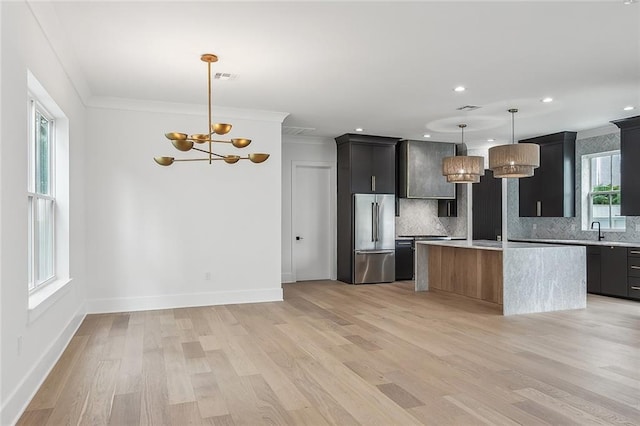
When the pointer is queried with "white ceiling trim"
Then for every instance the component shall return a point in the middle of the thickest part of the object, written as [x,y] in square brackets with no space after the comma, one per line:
[45,14]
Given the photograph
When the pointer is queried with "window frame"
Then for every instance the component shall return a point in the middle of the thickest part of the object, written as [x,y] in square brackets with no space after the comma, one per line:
[35,257]
[609,193]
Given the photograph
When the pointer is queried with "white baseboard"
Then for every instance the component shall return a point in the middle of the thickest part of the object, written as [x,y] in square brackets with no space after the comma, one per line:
[130,304]
[287,277]
[17,401]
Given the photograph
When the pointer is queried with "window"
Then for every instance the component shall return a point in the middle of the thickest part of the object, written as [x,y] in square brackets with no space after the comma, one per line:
[41,196]
[48,190]
[604,190]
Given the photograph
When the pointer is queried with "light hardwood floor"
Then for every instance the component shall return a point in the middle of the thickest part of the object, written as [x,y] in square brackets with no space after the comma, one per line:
[333,353]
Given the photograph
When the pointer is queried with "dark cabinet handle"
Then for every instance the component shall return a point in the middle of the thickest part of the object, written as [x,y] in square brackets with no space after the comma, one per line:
[538,208]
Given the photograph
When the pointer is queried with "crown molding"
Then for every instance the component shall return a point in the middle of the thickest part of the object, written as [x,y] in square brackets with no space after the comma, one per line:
[598,131]
[45,14]
[181,108]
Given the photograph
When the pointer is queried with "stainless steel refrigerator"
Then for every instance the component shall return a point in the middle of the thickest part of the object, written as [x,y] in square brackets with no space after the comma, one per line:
[374,238]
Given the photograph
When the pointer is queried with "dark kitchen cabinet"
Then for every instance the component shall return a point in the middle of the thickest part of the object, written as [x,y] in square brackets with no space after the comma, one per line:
[593,270]
[370,163]
[550,192]
[629,170]
[447,208]
[633,271]
[487,207]
[613,271]
[404,259]
[366,164]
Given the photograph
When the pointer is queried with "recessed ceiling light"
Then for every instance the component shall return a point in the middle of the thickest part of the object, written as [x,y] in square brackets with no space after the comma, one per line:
[547,100]
[460,89]
[426,135]
[359,129]
[628,108]
[491,140]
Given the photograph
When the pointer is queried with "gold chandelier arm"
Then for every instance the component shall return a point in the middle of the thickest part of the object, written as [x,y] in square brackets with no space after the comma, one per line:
[191,159]
[207,152]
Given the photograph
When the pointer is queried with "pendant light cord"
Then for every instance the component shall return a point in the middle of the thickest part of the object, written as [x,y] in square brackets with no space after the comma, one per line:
[513,126]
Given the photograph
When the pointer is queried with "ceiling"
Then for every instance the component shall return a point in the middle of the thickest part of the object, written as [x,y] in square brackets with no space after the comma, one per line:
[387,67]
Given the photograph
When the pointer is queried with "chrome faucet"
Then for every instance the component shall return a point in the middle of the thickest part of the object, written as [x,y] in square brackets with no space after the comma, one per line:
[600,236]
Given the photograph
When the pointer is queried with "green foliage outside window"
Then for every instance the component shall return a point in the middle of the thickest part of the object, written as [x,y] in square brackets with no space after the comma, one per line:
[604,198]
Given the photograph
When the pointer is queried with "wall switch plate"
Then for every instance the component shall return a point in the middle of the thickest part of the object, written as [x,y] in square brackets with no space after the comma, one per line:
[207,276]
[535,226]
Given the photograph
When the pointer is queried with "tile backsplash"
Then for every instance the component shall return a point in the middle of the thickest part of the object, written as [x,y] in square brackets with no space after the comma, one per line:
[420,217]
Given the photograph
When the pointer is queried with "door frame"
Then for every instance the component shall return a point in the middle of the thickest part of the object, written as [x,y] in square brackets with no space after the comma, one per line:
[332,217]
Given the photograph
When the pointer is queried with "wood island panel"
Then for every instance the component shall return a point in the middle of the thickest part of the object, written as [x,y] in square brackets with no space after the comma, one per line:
[469,272]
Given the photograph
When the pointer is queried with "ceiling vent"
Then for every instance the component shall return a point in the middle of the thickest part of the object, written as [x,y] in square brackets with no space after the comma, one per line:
[468,108]
[225,76]
[297,131]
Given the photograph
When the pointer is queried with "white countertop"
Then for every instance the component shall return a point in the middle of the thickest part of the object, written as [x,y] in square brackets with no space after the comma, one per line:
[488,244]
[581,242]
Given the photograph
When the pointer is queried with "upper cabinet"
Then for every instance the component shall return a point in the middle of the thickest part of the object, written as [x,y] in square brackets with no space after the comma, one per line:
[629,165]
[367,164]
[550,192]
[420,170]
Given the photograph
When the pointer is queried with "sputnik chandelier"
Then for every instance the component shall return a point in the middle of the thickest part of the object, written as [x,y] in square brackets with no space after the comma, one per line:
[185,142]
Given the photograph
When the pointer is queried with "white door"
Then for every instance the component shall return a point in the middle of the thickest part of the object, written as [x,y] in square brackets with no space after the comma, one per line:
[312,220]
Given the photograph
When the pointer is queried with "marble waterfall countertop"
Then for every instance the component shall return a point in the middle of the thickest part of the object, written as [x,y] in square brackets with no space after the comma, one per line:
[580,242]
[526,277]
[487,244]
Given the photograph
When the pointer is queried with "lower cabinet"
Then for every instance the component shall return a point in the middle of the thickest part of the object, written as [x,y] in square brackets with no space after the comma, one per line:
[633,269]
[613,271]
[593,269]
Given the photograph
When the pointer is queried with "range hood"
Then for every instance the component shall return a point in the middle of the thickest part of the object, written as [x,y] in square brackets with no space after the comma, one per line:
[420,170]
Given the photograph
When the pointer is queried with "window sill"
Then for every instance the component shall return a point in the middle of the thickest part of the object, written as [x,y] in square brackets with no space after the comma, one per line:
[45,297]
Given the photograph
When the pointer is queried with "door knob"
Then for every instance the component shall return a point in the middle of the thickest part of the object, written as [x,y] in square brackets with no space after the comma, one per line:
[298,238]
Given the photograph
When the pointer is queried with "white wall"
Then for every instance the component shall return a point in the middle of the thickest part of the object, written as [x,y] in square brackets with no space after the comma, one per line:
[30,344]
[154,233]
[299,148]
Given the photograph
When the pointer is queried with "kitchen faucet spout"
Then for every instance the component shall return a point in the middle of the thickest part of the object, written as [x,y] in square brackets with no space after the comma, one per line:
[600,236]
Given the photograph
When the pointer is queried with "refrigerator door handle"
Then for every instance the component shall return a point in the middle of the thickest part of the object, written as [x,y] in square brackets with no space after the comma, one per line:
[373,222]
[377,222]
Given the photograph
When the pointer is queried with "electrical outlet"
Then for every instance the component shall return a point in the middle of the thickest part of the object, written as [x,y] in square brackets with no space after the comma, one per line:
[207,276]
[535,226]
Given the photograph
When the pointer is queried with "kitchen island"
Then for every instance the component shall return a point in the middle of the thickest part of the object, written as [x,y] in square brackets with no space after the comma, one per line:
[517,277]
